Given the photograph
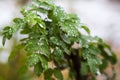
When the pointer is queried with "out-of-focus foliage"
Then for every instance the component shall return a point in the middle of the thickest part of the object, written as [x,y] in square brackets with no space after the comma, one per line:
[16,69]
[51,34]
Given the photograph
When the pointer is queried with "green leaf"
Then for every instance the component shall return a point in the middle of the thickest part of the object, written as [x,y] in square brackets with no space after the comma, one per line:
[65,48]
[48,74]
[103,65]
[40,46]
[45,50]
[48,1]
[23,11]
[58,52]
[58,74]
[45,4]
[3,40]
[42,10]
[32,45]
[85,53]
[7,29]
[25,29]
[83,41]
[65,38]
[18,20]
[44,62]
[108,55]
[93,63]
[86,29]
[93,49]
[57,14]
[33,59]
[38,69]
[55,41]
[70,29]
[41,23]
[44,47]
[7,32]
[112,58]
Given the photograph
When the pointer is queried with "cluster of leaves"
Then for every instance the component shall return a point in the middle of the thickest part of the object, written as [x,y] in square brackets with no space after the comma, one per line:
[51,33]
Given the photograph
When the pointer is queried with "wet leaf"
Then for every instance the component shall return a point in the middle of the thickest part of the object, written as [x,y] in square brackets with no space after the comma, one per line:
[33,59]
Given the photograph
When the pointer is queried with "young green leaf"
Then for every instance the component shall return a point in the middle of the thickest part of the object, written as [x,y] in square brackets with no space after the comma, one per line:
[86,29]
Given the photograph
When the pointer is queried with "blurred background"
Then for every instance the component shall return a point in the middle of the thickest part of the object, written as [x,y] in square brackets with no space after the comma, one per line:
[101,16]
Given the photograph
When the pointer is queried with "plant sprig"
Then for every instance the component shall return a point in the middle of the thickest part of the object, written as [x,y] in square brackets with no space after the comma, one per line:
[51,34]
